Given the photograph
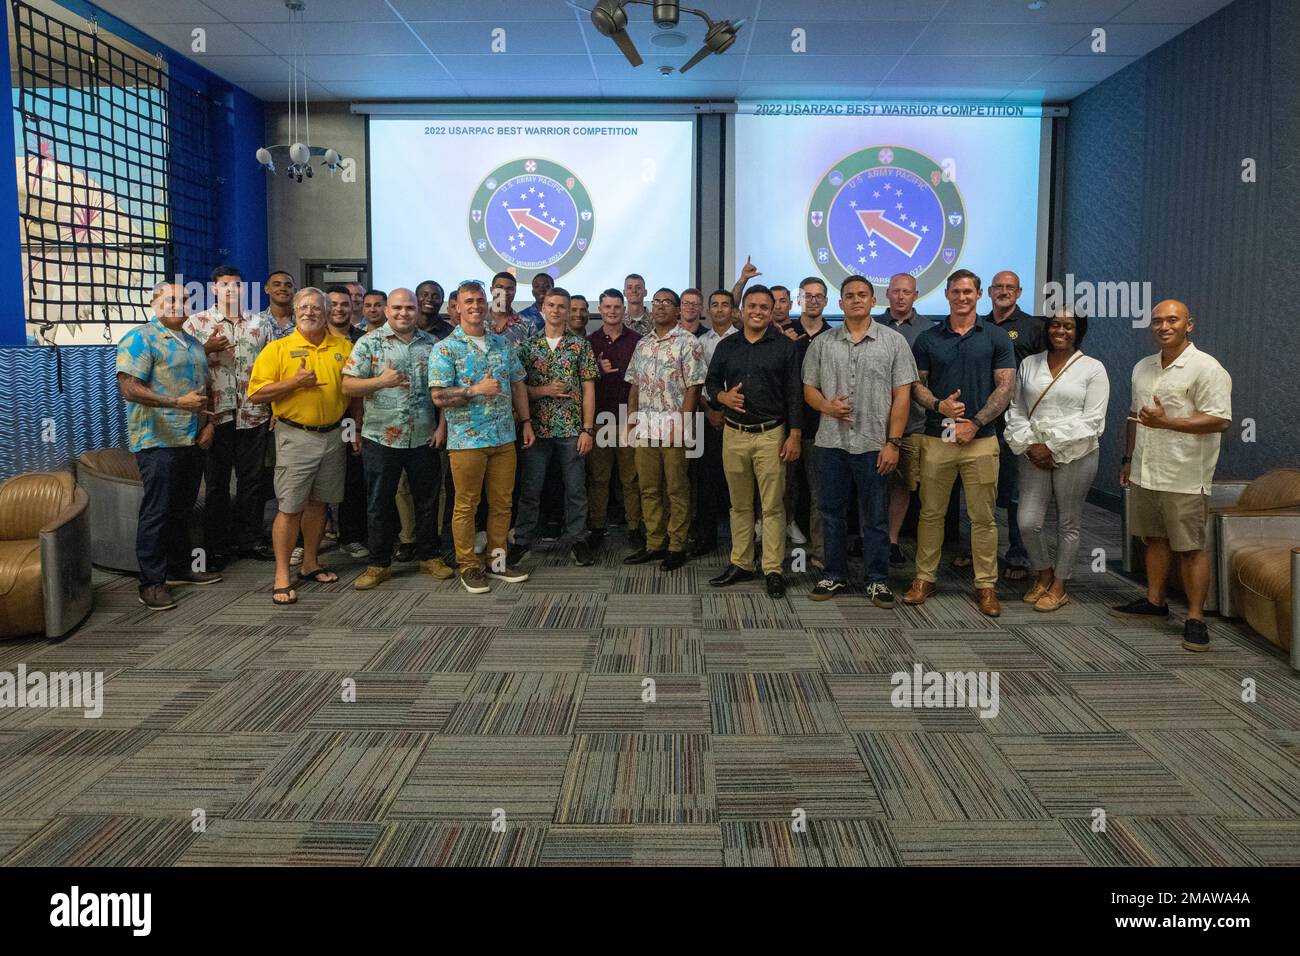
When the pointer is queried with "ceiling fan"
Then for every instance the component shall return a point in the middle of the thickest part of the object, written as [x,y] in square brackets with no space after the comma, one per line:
[610,19]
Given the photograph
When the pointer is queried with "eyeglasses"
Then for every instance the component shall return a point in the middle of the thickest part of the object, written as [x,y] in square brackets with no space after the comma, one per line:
[663,302]
[814,296]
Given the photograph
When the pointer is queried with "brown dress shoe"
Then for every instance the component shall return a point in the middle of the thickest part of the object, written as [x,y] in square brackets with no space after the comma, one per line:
[919,591]
[988,602]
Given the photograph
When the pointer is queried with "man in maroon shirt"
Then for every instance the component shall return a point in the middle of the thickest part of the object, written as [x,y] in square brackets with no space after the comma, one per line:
[613,344]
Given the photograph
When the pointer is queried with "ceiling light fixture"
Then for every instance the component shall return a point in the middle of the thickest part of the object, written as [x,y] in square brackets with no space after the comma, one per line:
[300,151]
[610,19]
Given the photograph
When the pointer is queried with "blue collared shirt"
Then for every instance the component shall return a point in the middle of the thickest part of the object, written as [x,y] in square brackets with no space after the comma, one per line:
[965,362]
[457,362]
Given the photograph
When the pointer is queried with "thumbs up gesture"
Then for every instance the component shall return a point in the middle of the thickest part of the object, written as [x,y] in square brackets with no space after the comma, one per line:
[951,407]
[391,377]
[304,377]
[1153,416]
[733,398]
[487,386]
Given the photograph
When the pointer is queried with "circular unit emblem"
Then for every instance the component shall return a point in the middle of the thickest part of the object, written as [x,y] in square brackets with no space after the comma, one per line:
[885,210]
[530,216]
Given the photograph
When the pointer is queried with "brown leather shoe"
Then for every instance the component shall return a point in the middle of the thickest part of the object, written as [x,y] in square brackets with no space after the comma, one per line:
[988,602]
[919,591]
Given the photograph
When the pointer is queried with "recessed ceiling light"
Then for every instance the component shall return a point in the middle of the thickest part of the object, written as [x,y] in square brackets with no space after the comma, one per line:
[668,40]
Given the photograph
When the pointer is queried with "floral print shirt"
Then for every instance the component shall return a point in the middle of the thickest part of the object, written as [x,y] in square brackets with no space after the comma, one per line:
[404,416]
[172,364]
[229,370]
[571,362]
[457,362]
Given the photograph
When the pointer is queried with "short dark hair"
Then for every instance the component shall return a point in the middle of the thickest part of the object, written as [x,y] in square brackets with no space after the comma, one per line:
[961,274]
[677,299]
[820,281]
[379,292]
[220,272]
[693,291]
[576,296]
[857,278]
[633,275]
[1080,325]
[544,275]
[778,288]
[432,282]
[554,291]
[760,290]
[612,294]
[281,272]
[726,292]
[339,288]
[453,295]
[499,275]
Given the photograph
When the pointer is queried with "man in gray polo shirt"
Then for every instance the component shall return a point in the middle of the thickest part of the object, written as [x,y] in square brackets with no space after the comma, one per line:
[859,377]
[901,316]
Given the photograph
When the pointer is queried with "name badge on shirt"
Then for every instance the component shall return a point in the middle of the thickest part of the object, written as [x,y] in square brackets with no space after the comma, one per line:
[298,353]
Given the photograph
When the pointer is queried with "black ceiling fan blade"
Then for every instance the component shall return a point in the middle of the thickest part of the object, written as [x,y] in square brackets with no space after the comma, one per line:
[628,47]
[700,55]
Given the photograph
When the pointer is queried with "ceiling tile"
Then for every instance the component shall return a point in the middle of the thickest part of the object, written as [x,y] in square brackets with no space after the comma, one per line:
[330,70]
[517,71]
[1052,92]
[670,89]
[279,92]
[851,37]
[1092,67]
[220,38]
[1130,39]
[505,11]
[982,92]
[1170,11]
[476,36]
[615,67]
[945,36]
[1017,11]
[253,69]
[140,12]
[318,11]
[862,71]
[919,69]
[507,89]
[404,88]
[866,11]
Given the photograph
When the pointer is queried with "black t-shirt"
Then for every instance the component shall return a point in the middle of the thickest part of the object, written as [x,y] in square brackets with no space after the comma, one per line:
[1028,333]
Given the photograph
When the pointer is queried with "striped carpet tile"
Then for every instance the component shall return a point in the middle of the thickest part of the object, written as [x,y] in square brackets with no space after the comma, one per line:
[266,702]
[517,703]
[824,843]
[540,649]
[264,843]
[739,611]
[458,844]
[611,703]
[651,778]
[773,777]
[346,776]
[1272,842]
[100,840]
[1149,701]
[864,702]
[650,650]
[991,651]
[574,612]
[1275,706]
[219,647]
[323,648]
[759,651]
[381,702]
[425,650]
[862,650]
[773,703]
[935,776]
[469,778]
[986,843]
[1236,771]
[1036,702]
[1160,841]
[1082,649]
[664,610]
[632,846]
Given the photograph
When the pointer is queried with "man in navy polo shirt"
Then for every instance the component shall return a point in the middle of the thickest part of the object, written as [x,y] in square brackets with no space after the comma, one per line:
[967,370]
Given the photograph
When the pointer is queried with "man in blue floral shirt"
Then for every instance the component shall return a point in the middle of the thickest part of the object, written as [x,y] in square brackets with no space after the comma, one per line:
[389,367]
[469,373]
[560,370]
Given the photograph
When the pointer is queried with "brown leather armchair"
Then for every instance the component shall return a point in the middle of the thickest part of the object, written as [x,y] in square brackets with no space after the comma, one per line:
[44,555]
[112,480]
[1265,589]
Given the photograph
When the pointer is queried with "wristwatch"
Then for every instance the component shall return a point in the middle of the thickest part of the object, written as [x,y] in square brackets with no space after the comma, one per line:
[896,442]
[589,431]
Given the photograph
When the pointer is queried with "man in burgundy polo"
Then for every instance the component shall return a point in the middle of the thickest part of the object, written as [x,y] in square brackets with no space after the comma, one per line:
[613,344]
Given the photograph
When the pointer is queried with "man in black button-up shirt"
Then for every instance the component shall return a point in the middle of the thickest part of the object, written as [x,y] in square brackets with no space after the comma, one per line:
[755,378]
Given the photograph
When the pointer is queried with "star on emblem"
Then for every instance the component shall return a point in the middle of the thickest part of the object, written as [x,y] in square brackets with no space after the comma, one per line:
[859,247]
[873,255]
[853,204]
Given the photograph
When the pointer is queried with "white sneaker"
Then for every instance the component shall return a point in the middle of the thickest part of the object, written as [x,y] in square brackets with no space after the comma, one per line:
[794,534]
[295,559]
[480,542]
[357,550]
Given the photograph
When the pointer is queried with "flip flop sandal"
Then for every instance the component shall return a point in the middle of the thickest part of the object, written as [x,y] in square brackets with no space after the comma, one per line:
[288,590]
[316,576]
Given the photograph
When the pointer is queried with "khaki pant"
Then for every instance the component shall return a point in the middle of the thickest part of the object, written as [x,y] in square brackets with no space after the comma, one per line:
[661,471]
[479,473]
[406,510]
[747,457]
[977,463]
[600,466]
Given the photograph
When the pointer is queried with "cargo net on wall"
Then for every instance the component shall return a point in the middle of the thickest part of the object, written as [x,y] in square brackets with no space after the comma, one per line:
[109,149]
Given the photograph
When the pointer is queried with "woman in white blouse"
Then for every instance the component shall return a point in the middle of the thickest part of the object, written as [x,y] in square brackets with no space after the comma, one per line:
[1055,421]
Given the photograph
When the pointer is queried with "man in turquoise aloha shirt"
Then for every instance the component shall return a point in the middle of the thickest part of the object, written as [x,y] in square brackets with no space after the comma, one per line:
[389,367]
[560,370]
[162,373]
[470,372]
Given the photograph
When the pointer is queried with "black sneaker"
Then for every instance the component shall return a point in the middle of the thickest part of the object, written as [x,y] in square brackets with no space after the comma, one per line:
[594,538]
[515,553]
[826,589]
[896,555]
[405,552]
[880,595]
[581,553]
[1196,636]
[775,586]
[1141,608]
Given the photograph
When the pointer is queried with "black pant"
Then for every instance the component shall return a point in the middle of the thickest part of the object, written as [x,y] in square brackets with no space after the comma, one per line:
[240,450]
[171,479]
[383,469]
[352,510]
[711,493]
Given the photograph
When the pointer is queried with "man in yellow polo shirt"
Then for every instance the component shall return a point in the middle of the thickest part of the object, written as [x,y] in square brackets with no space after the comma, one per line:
[301,376]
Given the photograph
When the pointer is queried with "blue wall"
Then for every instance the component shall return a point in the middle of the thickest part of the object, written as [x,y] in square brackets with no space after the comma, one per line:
[1153,192]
